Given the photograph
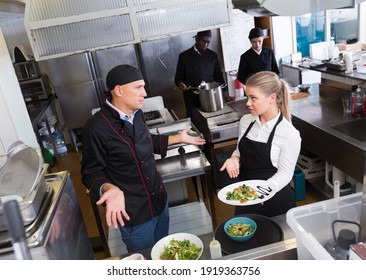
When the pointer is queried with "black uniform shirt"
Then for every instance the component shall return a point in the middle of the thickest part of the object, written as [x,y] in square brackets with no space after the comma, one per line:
[117,152]
[251,62]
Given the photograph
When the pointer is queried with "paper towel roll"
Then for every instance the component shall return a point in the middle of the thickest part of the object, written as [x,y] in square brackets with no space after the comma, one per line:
[349,62]
[363,59]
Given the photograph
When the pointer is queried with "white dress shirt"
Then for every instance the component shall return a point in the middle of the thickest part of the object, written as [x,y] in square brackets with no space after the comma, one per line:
[285,148]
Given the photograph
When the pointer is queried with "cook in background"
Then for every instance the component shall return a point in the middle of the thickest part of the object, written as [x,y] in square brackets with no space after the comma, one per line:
[118,165]
[197,64]
[257,58]
[268,144]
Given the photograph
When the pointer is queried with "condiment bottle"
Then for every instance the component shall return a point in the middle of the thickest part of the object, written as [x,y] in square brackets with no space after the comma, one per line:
[215,249]
[357,103]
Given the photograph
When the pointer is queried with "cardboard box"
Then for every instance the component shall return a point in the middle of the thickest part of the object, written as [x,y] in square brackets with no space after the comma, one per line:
[350,47]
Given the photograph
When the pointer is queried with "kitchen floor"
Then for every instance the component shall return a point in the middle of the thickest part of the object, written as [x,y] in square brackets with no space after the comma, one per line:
[71,162]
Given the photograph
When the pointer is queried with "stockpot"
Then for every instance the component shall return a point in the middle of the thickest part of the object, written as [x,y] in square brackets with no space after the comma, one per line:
[210,95]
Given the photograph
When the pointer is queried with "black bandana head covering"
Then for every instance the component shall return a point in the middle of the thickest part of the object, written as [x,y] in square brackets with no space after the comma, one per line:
[121,75]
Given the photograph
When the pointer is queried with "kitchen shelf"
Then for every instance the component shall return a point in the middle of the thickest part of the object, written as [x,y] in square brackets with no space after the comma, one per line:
[38,114]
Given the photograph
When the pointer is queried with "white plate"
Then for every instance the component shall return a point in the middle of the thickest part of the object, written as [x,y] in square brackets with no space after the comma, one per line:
[265,190]
[158,248]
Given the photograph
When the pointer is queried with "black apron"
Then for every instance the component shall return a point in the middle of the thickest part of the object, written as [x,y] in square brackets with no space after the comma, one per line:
[257,165]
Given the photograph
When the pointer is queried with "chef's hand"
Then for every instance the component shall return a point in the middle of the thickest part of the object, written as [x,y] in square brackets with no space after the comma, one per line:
[115,201]
[232,166]
[184,137]
[183,86]
[229,98]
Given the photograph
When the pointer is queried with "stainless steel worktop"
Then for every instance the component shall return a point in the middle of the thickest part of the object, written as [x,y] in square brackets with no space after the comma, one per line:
[283,250]
[315,117]
[324,113]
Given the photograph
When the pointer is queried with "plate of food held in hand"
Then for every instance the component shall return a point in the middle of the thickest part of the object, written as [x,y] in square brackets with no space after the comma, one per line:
[245,193]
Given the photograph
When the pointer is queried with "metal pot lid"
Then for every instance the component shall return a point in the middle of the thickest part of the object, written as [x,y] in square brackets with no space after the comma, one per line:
[19,175]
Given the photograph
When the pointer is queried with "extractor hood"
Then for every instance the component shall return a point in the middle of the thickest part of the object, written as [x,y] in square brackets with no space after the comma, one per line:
[260,8]
[58,28]
[12,6]
[11,10]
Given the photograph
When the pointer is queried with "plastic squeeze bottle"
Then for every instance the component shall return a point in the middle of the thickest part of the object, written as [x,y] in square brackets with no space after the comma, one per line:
[215,249]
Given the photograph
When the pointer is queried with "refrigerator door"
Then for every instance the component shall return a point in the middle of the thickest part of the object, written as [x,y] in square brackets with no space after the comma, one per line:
[105,60]
[69,70]
[77,102]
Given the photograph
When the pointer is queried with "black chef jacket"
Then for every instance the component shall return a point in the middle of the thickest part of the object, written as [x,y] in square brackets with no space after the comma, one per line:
[251,62]
[193,68]
[117,152]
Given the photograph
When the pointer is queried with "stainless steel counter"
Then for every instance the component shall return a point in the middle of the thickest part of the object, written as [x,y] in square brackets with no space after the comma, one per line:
[316,117]
[283,250]
[191,164]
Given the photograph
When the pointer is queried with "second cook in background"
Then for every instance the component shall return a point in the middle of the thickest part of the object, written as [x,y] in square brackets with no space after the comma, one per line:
[257,58]
[197,64]
[268,144]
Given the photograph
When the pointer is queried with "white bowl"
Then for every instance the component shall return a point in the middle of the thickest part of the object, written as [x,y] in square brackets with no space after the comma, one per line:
[158,248]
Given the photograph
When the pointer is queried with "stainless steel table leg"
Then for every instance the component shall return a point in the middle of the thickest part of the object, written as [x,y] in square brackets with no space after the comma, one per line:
[363,209]
[199,189]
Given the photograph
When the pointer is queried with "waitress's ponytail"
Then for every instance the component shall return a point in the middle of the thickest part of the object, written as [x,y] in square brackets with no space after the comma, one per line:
[284,105]
[269,82]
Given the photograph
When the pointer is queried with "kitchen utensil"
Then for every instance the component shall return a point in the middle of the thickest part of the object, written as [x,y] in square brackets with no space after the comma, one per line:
[16,230]
[158,248]
[240,220]
[267,232]
[201,86]
[211,97]
[338,248]
[261,187]
[304,87]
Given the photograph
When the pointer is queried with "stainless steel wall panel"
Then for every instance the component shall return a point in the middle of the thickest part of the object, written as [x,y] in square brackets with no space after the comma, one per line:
[77,102]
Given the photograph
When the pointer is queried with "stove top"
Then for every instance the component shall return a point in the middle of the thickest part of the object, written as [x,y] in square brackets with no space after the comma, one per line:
[158,117]
[221,125]
[152,115]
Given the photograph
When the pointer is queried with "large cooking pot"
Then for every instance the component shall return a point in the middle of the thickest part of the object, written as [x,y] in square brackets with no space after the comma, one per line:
[210,95]
[22,179]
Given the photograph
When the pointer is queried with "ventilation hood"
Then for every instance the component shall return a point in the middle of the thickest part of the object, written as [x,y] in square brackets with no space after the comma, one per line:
[58,28]
[265,8]
[12,6]
[11,10]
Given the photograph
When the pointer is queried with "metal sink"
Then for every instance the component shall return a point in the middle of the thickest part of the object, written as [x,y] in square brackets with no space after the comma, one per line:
[355,129]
